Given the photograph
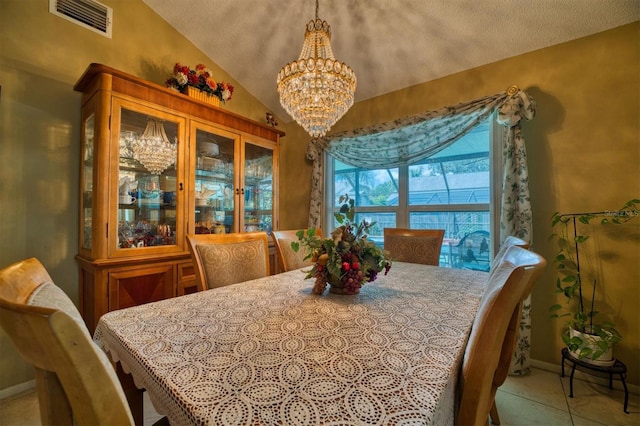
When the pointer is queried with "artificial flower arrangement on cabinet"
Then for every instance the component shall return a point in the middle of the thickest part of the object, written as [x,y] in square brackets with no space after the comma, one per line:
[199,78]
[348,259]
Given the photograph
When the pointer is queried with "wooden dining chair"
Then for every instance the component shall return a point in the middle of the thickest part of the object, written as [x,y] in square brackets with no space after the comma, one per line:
[225,259]
[76,383]
[511,339]
[489,349]
[287,257]
[414,245]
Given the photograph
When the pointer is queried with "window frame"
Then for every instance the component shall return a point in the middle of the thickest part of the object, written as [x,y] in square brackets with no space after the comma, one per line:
[403,210]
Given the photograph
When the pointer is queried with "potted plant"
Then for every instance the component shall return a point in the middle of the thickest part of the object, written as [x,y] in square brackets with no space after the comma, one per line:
[586,338]
[348,259]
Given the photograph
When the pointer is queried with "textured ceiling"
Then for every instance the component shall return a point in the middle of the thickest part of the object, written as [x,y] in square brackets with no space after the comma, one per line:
[390,44]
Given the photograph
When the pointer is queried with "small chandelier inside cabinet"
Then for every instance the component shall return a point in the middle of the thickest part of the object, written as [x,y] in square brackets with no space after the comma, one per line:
[153,149]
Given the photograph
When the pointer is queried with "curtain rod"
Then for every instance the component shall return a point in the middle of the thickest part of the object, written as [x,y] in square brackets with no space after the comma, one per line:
[512,90]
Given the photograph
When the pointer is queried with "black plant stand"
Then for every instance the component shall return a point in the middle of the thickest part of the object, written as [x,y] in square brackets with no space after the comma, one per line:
[617,368]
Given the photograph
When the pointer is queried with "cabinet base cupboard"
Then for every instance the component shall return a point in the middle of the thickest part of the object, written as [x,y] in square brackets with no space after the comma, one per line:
[157,165]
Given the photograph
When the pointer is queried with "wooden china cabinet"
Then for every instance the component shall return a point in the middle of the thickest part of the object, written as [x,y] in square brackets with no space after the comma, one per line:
[155,166]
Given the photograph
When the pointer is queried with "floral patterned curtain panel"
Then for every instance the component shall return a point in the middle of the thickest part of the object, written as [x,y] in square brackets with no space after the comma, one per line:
[419,136]
[515,209]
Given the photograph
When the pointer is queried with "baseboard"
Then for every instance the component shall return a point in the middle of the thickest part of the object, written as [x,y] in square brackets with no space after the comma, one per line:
[19,388]
[579,375]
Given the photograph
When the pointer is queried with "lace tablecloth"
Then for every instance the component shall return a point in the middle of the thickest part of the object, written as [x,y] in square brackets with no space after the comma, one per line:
[270,352]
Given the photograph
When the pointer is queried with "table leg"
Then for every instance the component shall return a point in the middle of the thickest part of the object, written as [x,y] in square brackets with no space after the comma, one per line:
[493,414]
[133,394]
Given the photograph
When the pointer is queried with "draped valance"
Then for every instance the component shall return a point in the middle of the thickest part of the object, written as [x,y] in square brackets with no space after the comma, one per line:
[413,138]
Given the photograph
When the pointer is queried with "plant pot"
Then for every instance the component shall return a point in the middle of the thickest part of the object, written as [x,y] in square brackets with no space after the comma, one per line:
[194,93]
[589,341]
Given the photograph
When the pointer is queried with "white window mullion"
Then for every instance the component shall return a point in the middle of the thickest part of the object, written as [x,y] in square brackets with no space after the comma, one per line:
[495,178]
[402,212]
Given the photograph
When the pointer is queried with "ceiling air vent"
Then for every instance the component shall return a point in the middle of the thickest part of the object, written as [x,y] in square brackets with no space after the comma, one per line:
[87,13]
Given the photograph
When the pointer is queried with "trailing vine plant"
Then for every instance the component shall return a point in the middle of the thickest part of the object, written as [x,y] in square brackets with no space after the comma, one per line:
[570,280]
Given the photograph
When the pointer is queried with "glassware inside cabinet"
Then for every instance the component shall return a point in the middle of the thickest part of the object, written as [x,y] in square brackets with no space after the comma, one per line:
[86,210]
[214,183]
[258,188]
[147,185]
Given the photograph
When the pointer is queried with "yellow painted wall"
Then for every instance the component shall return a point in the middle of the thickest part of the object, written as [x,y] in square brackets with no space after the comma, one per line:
[583,145]
[41,58]
[295,178]
[584,155]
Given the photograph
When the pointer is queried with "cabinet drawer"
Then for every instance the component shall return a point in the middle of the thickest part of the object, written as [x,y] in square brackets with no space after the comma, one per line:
[137,286]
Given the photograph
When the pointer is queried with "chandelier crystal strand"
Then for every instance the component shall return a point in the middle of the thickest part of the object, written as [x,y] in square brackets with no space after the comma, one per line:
[316,90]
[153,149]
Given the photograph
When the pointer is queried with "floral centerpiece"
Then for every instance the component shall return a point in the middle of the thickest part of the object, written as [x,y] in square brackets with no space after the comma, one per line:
[348,259]
[199,78]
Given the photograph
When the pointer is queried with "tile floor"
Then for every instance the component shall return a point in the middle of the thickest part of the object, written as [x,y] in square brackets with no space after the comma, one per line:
[540,398]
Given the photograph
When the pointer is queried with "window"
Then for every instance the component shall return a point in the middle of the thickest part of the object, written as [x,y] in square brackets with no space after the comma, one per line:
[452,190]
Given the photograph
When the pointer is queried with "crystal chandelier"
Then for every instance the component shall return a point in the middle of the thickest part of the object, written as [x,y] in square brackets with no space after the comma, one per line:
[153,149]
[316,90]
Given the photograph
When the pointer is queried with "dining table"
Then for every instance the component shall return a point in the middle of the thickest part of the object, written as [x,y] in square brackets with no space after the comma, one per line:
[270,352]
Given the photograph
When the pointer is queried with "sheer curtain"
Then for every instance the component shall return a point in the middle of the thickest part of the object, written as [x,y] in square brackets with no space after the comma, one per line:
[409,139]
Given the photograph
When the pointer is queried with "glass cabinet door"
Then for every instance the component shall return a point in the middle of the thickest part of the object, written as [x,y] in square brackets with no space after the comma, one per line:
[214,181]
[86,208]
[148,189]
[258,188]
